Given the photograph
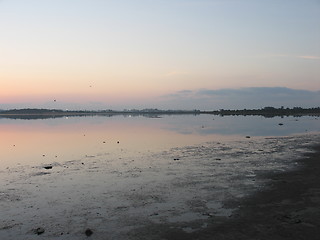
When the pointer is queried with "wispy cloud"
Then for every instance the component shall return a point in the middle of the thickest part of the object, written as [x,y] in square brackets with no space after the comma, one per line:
[252,97]
[185,92]
[179,94]
[256,91]
[310,57]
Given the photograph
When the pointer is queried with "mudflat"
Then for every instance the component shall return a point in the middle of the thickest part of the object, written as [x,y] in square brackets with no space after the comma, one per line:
[265,188]
[289,208]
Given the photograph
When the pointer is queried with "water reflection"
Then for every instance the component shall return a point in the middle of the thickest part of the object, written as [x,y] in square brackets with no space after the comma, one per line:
[30,142]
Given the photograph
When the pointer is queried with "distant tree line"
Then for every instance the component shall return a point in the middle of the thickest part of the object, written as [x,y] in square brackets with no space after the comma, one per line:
[34,113]
[269,111]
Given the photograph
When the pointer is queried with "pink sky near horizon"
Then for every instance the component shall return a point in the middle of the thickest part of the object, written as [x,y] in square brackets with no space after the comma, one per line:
[120,52]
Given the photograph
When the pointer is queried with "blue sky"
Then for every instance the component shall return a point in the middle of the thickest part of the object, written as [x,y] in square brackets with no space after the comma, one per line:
[114,54]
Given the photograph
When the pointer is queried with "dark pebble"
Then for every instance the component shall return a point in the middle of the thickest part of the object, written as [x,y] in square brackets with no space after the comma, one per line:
[39,230]
[88,232]
[47,167]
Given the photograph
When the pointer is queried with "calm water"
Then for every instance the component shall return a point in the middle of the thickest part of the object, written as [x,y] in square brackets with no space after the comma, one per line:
[33,142]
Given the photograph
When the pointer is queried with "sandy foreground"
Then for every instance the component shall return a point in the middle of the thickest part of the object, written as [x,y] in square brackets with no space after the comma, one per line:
[255,188]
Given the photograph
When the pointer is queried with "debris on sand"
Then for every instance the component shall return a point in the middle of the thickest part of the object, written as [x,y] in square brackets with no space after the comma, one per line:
[248,137]
[88,232]
[47,167]
[39,230]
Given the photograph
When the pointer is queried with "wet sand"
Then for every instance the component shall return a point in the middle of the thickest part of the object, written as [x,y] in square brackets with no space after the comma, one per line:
[249,189]
[289,208]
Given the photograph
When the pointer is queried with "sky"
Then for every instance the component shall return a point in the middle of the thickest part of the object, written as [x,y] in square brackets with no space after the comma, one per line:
[168,54]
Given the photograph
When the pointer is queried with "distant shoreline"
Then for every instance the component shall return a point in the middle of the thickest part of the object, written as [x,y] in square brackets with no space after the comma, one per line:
[268,112]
